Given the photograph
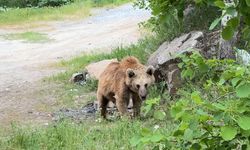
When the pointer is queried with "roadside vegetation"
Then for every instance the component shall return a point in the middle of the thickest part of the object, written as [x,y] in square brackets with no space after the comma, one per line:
[34,37]
[77,9]
[211,111]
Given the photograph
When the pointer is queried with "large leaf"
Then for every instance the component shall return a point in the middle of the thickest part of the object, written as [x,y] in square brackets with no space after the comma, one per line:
[227,33]
[196,97]
[228,132]
[156,138]
[219,106]
[135,140]
[175,110]
[145,132]
[234,22]
[203,67]
[188,135]
[244,122]
[243,90]
[220,4]
[248,3]
[160,115]
[235,81]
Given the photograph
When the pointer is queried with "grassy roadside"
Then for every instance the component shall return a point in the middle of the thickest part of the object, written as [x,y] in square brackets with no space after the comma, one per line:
[75,10]
[34,37]
[70,136]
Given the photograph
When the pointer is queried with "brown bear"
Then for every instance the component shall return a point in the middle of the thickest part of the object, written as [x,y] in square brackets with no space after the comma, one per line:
[123,80]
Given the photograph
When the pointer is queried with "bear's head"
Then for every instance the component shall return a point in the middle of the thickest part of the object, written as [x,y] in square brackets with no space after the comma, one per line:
[138,80]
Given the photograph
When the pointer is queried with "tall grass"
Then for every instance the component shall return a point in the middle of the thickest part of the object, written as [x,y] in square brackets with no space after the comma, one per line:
[67,135]
[75,10]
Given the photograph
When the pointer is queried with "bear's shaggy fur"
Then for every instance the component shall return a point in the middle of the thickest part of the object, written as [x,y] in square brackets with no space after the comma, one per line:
[123,80]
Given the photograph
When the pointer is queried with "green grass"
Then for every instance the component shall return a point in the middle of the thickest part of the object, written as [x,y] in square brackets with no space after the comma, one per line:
[76,10]
[33,37]
[67,135]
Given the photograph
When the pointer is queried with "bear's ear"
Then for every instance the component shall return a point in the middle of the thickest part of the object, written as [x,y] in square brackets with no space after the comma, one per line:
[150,70]
[130,73]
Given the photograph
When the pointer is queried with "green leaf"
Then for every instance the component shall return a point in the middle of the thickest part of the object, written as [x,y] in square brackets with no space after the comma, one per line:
[203,67]
[187,73]
[160,115]
[196,97]
[227,33]
[135,141]
[244,122]
[156,138]
[220,4]
[228,132]
[183,126]
[222,81]
[243,91]
[246,32]
[231,11]
[145,132]
[235,81]
[245,133]
[195,146]
[214,23]
[248,3]
[198,1]
[188,135]
[175,110]
[234,22]
[219,106]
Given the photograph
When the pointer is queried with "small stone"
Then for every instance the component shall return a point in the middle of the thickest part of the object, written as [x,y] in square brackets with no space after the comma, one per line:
[78,77]
[30,112]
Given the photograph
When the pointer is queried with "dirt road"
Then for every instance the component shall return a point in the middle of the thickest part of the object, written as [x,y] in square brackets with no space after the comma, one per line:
[22,63]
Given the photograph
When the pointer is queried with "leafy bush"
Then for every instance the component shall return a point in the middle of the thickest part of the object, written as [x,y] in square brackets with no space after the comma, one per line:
[162,10]
[213,111]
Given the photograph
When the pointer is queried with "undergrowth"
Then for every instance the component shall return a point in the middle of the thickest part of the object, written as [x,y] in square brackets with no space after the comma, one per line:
[212,111]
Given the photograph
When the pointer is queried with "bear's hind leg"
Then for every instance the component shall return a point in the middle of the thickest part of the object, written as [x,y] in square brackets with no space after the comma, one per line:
[103,102]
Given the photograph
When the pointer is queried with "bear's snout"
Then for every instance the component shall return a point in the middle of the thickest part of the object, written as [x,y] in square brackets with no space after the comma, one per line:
[143,97]
[143,94]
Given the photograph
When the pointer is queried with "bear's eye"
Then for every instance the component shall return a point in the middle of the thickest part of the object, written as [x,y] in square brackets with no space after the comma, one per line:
[138,86]
[146,85]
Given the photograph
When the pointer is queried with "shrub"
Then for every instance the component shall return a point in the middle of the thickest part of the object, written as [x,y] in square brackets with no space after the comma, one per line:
[213,109]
